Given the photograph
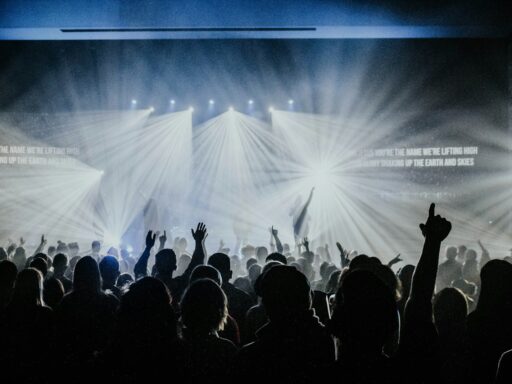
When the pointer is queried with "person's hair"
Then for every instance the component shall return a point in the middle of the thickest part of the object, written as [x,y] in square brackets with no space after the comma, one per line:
[496,287]
[95,245]
[87,275]
[8,272]
[28,288]
[109,268]
[53,292]
[124,280]
[60,261]
[366,310]
[222,263]
[451,253]
[165,261]
[250,262]
[206,272]
[276,256]
[285,293]
[39,264]
[450,308]
[204,306]
[145,310]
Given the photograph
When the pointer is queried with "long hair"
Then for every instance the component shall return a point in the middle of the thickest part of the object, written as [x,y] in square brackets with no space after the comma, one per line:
[28,288]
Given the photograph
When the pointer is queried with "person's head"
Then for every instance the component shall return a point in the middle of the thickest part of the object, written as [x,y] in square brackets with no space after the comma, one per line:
[222,263]
[405,275]
[125,254]
[112,251]
[183,262]
[182,244]
[251,261]
[248,252]
[96,246]
[52,250]
[365,316]
[62,247]
[243,283]
[145,310]
[109,269]
[73,249]
[8,272]
[39,264]
[28,288]
[333,282]
[253,272]
[450,309]
[261,254]
[451,253]
[285,293]
[257,283]
[461,252]
[496,287]
[206,272]
[276,256]
[165,262]
[53,292]
[471,255]
[3,254]
[87,275]
[19,257]
[124,280]
[204,307]
[60,264]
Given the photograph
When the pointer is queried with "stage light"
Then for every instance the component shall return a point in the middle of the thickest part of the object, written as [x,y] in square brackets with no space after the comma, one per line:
[211,102]
[191,109]
[172,101]
[231,109]
[134,102]
[102,172]
[151,109]
[250,102]
[290,102]
[271,109]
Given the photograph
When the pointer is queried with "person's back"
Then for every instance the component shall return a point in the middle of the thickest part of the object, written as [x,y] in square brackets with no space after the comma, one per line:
[449,270]
[450,311]
[204,313]
[489,330]
[29,326]
[85,316]
[294,346]
[145,342]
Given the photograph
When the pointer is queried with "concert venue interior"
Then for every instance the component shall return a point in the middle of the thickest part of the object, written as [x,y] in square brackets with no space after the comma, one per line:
[338,121]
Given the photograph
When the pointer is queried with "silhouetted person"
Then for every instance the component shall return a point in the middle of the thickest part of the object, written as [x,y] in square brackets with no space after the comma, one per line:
[504,375]
[124,280]
[239,302]
[85,317]
[489,326]
[165,262]
[60,265]
[365,320]
[145,345]
[448,270]
[405,275]
[8,272]
[293,346]
[231,330]
[109,271]
[27,345]
[204,312]
[19,258]
[450,311]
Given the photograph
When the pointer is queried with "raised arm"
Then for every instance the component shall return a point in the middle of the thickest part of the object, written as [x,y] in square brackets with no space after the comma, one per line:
[162,239]
[279,246]
[41,246]
[394,260]
[199,235]
[485,255]
[344,260]
[435,230]
[141,267]
[302,216]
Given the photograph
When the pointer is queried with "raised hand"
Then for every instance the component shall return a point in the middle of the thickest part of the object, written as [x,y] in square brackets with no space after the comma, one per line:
[273,231]
[305,242]
[437,227]
[22,241]
[43,240]
[340,248]
[150,239]
[200,233]
[395,260]
[162,239]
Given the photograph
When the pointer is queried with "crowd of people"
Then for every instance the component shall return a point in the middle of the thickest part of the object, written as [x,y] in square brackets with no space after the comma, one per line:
[293,316]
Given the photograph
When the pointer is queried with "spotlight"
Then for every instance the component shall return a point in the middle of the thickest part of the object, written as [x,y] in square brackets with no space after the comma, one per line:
[172,101]
[151,109]
[271,109]
[251,102]
[134,102]
[102,172]
[231,109]
[211,102]
[191,109]
[290,101]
